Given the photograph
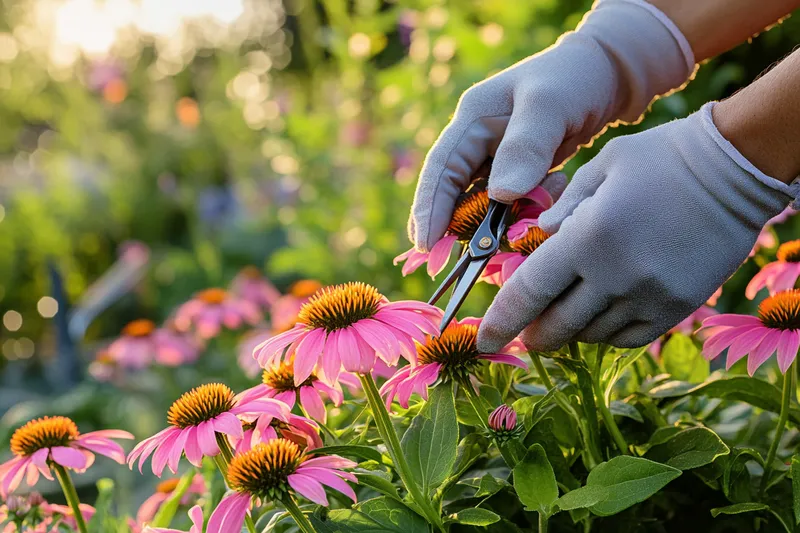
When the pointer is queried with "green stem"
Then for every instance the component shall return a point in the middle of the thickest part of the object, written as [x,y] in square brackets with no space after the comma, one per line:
[600,400]
[782,419]
[223,460]
[302,522]
[574,350]
[542,522]
[392,443]
[540,369]
[71,495]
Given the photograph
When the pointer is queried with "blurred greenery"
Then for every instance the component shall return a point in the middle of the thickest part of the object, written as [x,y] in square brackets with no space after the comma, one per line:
[291,142]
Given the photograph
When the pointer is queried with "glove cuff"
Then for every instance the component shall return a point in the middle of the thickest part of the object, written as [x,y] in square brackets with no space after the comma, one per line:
[791,190]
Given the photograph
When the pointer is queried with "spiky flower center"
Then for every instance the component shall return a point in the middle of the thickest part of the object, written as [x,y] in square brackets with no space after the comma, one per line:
[469,212]
[200,405]
[781,310]
[530,241]
[304,288]
[212,296]
[281,377]
[250,272]
[167,486]
[139,328]
[264,470]
[340,306]
[789,252]
[456,350]
[44,432]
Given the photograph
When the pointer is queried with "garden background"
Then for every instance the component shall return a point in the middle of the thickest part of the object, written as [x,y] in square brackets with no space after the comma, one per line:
[164,146]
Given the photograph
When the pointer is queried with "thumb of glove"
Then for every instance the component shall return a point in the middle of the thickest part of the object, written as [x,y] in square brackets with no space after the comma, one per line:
[583,185]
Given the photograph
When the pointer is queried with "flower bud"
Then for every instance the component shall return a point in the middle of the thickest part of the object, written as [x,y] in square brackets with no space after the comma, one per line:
[503,424]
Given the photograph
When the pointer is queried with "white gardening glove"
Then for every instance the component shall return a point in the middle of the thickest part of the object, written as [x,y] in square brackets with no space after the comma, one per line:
[644,234]
[535,114]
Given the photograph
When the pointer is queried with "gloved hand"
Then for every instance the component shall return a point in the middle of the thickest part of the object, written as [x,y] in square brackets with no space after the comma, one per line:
[644,234]
[535,114]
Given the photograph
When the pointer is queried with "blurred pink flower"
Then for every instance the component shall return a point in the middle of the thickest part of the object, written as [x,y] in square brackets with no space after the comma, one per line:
[766,239]
[268,471]
[348,326]
[452,355]
[468,215]
[142,344]
[249,284]
[284,312]
[244,350]
[211,309]
[147,511]
[194,420]
[195,515]
[63,514]
[779,275]
[776,329]
[47,440]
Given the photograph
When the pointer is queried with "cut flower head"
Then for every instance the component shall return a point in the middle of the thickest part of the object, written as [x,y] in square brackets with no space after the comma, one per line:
[349,326]
[775,329]
[453,355]
[470,211]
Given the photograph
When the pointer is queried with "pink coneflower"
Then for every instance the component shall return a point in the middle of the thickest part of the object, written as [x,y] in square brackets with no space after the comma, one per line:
[776,329]
[767,239]
[779,275]
[249,284]
[278,382]
[63,514]
[505,263]
[301,430]
[164,490]
[503,424]
[272,471]
[469,212]
[142,344]
[284,312]
[348,326]
[194,420]
[244,350]
[211,309]
[453,355]
[55,440]
[195,515]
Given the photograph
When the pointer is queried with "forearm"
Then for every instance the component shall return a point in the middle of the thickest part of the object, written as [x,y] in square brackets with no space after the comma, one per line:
[714,26]
[761,121]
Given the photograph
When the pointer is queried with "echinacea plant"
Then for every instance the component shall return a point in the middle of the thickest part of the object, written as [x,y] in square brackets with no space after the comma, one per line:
[359,415]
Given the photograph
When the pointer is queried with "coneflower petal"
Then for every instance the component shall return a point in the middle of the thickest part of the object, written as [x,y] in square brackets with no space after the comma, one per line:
[312,403]
[69,457]
[763,351]
[309,488]
[787,348]
[744,345]
[307,353]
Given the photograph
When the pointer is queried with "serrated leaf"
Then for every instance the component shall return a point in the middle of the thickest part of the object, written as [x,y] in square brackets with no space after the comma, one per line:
[475,517]
[617,484]
[738,508]
[535,482]
[378,515]
[430,443]
[690,448]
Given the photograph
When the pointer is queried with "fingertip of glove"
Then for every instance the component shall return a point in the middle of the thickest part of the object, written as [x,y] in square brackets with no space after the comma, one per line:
[491,339]
[504,195]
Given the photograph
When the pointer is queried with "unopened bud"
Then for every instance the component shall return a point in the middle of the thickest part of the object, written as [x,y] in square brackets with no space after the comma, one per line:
[503,423]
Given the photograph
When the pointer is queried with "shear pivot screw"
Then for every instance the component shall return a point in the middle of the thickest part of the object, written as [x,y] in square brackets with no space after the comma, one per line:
[485,242]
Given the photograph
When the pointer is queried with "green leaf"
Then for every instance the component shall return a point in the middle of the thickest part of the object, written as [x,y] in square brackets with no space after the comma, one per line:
[365,453]
[430,443]
[475,517]
[681,357]
[756,392]
[620,364]
[544,433]
[379,515]
[625,409]
[690,448]
[795,470]
[535,481]
[584,379]
[738,508]
[382,485]
[617,484]
[168,509]
[736,479]
[490,485]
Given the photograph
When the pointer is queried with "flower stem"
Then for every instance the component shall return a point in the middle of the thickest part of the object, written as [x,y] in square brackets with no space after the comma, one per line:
[540,369]
[475,402]
[600,400]
[392,443]
[301,520]
[782,419]
[542,522]
[223,460]
[71,495]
